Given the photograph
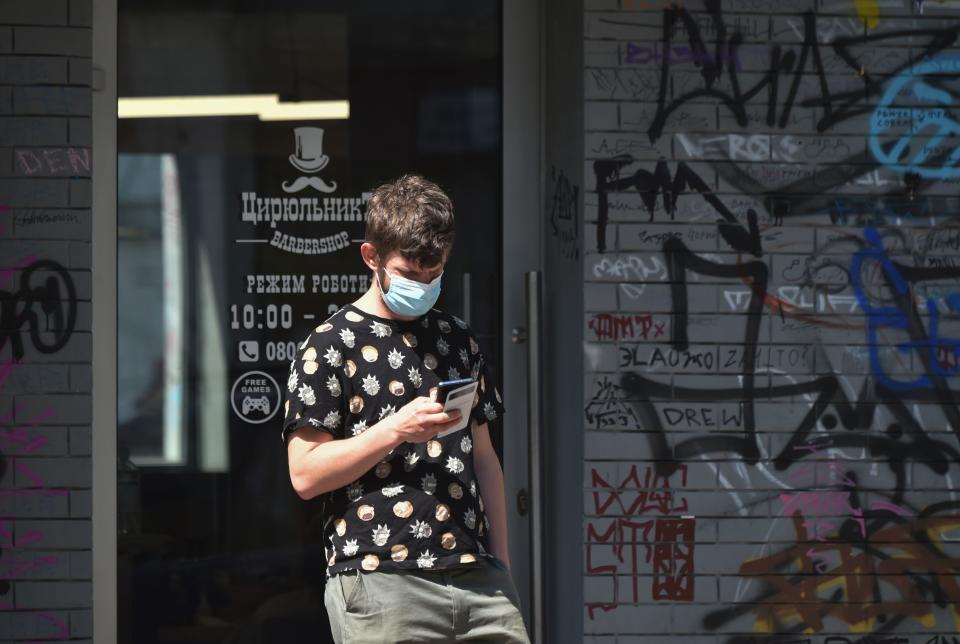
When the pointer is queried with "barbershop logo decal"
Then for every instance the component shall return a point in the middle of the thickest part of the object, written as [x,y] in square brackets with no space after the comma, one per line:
[309,159]
[255,397]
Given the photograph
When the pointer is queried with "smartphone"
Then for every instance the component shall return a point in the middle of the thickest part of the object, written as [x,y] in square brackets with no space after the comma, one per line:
[444,388]
[457,394]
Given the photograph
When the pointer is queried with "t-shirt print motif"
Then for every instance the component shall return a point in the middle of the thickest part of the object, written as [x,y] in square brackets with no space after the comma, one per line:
[420,507]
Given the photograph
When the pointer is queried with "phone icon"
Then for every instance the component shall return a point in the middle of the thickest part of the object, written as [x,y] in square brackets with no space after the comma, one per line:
[249,350]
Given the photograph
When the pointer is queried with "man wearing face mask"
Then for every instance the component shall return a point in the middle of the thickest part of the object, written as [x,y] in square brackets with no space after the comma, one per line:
[415,523]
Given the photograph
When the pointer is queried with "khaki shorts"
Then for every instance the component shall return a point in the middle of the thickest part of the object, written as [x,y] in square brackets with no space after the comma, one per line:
[473,603]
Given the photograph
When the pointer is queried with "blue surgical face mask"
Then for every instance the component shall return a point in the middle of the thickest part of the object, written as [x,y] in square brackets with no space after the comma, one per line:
[408,297]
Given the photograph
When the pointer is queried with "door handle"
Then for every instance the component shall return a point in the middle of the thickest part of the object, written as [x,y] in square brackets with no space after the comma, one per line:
[523,502]
[535,444]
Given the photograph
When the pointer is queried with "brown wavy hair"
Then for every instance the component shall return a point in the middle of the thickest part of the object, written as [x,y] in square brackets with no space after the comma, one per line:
[412,216]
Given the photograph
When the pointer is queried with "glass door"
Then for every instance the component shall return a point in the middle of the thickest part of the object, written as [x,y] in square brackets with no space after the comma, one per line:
[250,135]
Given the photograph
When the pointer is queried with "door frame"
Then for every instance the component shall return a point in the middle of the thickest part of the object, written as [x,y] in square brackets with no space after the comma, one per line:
[104,296]
[522,226]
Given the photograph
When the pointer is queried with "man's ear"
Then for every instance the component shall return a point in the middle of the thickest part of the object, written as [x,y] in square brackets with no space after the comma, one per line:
[369,254]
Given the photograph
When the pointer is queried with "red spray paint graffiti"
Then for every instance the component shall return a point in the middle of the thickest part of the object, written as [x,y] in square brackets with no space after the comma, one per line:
[667,541]
[616,326]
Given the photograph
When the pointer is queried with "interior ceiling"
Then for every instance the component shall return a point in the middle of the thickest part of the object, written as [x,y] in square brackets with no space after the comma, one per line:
[285,43]
[395,61]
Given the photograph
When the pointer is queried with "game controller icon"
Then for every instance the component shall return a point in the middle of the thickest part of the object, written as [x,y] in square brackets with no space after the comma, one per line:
[262,403]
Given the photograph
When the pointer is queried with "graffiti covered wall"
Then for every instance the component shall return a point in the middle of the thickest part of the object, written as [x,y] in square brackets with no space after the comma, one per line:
[46,566]
[772,321]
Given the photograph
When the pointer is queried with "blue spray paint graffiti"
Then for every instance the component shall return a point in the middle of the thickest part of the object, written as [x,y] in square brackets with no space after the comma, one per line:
[904,152]
[897,317]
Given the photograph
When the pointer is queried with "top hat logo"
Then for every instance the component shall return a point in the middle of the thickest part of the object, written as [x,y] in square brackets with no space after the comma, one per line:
[309,156]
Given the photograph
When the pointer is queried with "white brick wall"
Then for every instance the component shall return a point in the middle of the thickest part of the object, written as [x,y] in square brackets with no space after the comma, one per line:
[45,496]
[798,487]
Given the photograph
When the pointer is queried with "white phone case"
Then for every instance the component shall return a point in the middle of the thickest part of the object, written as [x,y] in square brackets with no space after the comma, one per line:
[461,399]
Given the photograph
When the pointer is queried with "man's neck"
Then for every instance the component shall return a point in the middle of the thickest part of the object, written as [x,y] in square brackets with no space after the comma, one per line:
[371,302]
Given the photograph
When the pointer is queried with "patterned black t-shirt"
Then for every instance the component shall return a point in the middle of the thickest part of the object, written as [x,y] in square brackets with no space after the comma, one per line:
[421,506]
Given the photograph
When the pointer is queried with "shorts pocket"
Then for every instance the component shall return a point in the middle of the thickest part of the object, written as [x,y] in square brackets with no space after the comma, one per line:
[351,584]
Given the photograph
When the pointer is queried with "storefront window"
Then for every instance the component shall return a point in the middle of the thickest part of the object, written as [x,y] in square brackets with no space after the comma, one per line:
[250,137]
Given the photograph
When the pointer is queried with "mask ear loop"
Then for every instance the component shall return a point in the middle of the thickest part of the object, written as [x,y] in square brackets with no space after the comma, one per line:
[377,273]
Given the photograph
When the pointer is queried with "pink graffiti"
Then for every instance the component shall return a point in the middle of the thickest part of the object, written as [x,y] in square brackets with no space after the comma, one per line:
[814,506]
[7,273]
[33,536]
[890,507]
[63,631]
[821,473]
[18,436]
[47,560]
[817,510]
[18,440]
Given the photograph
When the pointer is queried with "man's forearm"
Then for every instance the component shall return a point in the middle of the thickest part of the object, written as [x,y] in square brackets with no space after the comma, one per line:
[490,477]
[337,463]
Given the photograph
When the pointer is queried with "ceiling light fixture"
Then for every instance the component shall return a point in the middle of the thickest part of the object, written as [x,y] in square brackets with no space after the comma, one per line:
[266,107]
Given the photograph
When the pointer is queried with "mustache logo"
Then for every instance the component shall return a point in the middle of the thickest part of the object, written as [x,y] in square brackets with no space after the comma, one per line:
[314,182]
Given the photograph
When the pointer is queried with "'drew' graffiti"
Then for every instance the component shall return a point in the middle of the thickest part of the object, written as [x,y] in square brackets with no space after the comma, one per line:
[772,323]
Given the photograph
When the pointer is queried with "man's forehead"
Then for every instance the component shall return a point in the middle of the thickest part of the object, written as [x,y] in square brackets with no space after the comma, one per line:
[397,260]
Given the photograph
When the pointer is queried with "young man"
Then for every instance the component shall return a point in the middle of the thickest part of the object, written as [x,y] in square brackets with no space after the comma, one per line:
[415,523]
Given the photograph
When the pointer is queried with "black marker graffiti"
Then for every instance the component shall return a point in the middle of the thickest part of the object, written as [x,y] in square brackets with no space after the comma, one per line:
[564,219]
[905,440]
[837,107]
[666,186]
[47,308]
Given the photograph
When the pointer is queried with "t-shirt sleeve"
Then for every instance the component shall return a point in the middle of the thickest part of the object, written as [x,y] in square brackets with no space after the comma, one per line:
[314,392]
[488,404]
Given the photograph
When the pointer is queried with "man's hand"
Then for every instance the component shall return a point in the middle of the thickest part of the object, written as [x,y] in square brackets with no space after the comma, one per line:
[420,420]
